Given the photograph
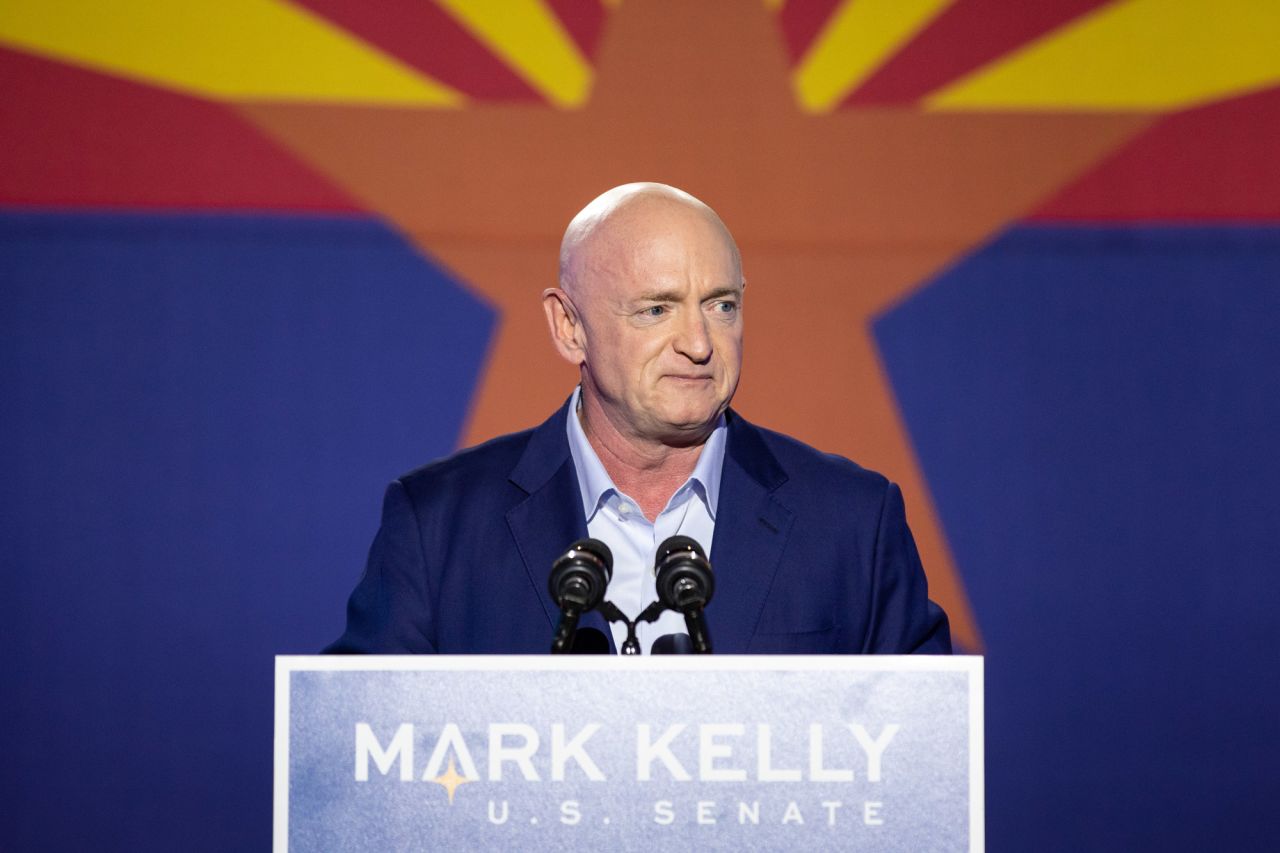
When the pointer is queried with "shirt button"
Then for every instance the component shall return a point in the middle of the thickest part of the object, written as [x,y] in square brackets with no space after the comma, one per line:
[625,508]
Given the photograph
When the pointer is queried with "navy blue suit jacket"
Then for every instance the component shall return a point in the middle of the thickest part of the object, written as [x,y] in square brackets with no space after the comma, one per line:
[811,553]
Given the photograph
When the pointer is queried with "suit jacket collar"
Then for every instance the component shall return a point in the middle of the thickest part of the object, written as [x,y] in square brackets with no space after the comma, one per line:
[548,449]
[750,533]
[546,452]
[747,447]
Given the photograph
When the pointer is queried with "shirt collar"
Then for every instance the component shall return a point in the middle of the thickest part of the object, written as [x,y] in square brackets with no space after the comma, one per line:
[595,484]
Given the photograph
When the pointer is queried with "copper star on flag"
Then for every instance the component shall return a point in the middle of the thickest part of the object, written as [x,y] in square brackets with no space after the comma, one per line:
[856,149]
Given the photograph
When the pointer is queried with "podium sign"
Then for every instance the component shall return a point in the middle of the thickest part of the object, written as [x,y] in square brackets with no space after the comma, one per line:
[612,753]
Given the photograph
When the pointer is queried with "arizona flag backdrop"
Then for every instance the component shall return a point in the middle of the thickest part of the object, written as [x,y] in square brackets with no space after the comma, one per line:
[259,257]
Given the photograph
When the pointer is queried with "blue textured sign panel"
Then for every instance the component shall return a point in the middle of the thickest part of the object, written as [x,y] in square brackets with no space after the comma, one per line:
[752,753]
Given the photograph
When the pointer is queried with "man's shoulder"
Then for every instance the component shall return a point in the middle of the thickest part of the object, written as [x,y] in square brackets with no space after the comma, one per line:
[806,467]
[487,463]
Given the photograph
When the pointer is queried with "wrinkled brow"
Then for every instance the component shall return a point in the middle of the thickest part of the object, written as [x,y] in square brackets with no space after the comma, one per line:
[676,296]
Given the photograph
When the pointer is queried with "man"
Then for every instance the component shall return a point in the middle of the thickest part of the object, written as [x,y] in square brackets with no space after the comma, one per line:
[811,552]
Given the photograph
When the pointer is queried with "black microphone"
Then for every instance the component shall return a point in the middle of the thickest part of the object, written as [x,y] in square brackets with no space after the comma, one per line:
[672,644]
[590,641]
[577,584]
[686,584]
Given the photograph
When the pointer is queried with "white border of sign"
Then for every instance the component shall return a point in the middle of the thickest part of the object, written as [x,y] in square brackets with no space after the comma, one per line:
[971,664]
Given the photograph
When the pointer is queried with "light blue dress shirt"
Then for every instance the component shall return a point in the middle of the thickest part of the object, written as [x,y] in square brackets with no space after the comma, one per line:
[616,519]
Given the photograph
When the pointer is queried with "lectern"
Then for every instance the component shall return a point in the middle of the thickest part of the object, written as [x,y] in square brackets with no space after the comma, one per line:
[613,753]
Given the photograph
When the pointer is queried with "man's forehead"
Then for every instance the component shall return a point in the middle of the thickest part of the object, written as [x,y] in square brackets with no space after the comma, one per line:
[660,262]
[712,289]
[659,237]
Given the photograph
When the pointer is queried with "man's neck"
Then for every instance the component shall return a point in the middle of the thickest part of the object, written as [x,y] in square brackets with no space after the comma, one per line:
[647,471]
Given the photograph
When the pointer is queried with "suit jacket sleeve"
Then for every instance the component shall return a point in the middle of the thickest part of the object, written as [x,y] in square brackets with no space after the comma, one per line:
[389,612]
[904,620]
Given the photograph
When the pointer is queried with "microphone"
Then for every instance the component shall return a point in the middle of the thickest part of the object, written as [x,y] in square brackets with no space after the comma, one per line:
[577,584]
[672,644]
[686,584]
[590,641]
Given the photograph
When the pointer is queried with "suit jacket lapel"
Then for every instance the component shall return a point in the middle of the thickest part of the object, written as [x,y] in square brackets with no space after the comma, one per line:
[550,519]
[750,534]
[751,527]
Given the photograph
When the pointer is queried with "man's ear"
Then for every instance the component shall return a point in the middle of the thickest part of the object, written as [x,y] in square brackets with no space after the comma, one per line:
[565,325]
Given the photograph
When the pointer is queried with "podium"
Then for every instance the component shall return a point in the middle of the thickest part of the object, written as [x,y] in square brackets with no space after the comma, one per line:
[612,753]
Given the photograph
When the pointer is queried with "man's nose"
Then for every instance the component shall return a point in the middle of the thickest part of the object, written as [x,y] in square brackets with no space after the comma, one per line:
[692,338]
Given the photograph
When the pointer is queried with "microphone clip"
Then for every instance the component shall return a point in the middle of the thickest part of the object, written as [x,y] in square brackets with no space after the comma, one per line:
[631,646]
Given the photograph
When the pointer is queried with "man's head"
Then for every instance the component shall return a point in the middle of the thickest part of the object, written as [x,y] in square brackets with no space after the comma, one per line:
[650,309]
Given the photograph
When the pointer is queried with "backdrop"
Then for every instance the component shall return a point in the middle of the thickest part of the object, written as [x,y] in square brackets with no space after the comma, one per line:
[260,257]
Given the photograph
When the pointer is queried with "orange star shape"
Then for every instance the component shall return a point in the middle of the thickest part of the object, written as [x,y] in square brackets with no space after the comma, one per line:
[451,780]
[839,216]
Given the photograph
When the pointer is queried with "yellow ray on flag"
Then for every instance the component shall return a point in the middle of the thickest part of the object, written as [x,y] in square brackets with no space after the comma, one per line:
[858,38]
[234,49]
[529,38]
[1135,55]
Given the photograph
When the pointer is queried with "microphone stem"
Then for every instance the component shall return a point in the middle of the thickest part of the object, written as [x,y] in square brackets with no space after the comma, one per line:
[562,642]
[697,627]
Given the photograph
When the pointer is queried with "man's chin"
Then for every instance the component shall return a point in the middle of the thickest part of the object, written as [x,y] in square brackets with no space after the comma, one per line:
[686,428]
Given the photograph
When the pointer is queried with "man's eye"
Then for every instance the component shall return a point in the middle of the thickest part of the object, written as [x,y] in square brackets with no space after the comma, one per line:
[654,311]
[726,307]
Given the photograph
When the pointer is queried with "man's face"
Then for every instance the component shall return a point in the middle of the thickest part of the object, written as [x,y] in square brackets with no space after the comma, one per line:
[661,308]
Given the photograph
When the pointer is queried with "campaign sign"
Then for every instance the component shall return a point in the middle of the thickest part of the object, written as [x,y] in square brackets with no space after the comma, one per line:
[628,753]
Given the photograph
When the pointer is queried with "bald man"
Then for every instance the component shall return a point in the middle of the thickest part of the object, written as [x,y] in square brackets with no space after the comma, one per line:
[812,553]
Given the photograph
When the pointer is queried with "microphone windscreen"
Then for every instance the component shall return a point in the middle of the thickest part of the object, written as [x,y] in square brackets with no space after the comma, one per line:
[676,543]
[596,547]
[590,641]
[672,644]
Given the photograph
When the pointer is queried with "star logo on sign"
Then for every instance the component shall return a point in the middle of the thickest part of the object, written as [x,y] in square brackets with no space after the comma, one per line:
[451,780]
